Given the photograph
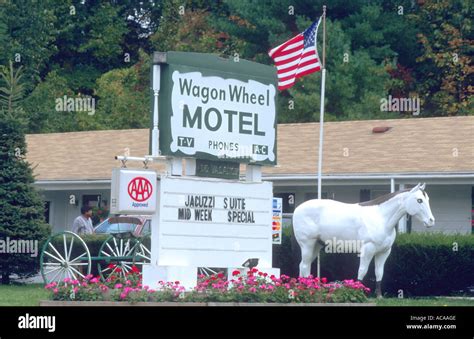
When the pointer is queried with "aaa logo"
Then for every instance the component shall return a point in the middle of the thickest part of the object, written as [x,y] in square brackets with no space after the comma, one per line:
[140,189]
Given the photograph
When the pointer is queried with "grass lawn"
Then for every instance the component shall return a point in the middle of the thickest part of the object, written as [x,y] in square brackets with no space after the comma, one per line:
[31,294]
[428,301]
[22,295]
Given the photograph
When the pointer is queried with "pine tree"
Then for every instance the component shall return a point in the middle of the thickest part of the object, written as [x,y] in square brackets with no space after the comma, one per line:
[21,206]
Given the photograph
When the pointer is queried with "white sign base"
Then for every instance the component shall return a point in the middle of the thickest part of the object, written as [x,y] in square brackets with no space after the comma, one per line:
[153,274]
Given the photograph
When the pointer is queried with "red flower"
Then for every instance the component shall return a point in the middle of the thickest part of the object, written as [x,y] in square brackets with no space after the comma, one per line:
[135,269]
[324,280]
[220,275]
[236,272]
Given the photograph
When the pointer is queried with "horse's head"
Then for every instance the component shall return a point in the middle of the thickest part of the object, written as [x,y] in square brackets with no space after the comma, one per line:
[417,204]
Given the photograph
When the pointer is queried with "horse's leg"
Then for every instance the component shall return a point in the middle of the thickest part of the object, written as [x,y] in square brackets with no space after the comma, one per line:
[380,259]
[316,251]
[307,256]
[366,254]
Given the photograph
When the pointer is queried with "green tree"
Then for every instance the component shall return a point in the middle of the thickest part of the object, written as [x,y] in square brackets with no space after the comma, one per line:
[22,209]
[12,91]
[124,97]
[445,67]
[30,36]
[190,27]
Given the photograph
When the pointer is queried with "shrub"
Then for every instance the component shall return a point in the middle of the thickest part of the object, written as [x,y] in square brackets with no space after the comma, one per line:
[420,264]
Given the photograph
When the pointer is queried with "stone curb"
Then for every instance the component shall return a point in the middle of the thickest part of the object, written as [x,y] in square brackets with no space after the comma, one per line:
[192,304]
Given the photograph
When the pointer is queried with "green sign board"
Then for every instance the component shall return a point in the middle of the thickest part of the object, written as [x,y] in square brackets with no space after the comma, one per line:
[217,169]
[217,109]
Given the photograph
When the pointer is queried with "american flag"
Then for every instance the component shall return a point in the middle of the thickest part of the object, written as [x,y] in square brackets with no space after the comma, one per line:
[296,57]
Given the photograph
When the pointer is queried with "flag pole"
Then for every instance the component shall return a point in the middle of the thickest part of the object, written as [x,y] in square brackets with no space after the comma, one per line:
[321,110]
[321,122]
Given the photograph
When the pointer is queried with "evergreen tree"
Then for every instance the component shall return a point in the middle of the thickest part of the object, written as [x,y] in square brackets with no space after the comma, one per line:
[21,206]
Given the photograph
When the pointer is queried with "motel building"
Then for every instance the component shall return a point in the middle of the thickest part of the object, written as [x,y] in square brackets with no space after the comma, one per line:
[362,160]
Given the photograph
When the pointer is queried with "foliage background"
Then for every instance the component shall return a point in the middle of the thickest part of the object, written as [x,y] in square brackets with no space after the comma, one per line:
[102,49]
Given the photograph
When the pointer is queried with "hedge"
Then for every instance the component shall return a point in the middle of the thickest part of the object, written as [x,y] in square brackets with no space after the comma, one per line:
[421,264]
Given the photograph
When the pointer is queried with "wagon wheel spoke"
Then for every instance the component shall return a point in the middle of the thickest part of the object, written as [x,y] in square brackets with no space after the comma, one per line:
[78,257]
[73,269]
[116,246]
[58,272]
[54,257]
[69,271]
[111,273]
[56,251]
[65,247]
[70,248]
[111,250]
[53,270]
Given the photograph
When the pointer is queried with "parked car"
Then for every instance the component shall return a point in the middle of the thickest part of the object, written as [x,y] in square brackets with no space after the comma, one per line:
[138,226]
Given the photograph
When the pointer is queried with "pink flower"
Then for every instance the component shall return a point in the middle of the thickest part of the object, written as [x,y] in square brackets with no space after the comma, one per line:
[75,289]
[252,289]
[66,280]
[123,295]
[128,282]
[55,291]
[117,286]
[145,287]
[94,281]
[324,280]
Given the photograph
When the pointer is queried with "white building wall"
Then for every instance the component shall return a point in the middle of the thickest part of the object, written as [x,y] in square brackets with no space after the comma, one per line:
[451,206]
[62,212]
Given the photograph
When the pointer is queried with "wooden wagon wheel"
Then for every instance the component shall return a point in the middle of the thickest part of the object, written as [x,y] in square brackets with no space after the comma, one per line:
[121,255]
[60,259]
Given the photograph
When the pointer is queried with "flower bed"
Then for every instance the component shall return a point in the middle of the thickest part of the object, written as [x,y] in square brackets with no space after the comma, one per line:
[252,287]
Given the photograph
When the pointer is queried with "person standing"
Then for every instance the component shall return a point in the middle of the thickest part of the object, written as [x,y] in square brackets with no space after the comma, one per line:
[83,223]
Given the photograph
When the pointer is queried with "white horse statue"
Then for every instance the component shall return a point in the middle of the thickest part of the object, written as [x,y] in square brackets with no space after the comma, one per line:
[370,223]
